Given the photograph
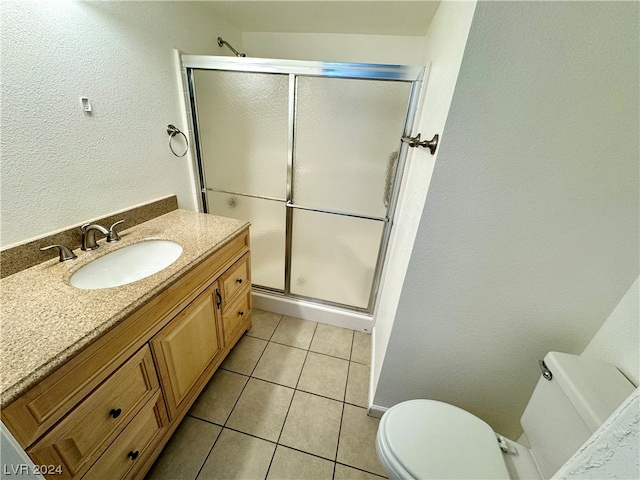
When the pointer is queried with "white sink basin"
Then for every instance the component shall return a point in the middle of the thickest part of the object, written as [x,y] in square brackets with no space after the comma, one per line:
[127,265]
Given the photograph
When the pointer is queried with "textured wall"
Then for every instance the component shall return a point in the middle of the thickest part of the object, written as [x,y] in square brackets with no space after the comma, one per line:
[445,42]
[613,451]
[60,165]
[618,340]
[529,234]
[335,47]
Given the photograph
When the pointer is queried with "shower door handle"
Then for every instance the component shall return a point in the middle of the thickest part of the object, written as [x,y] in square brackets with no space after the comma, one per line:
[392,164]
[415,142]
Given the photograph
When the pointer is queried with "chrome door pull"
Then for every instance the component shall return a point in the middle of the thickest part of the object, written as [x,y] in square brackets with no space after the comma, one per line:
[415,142]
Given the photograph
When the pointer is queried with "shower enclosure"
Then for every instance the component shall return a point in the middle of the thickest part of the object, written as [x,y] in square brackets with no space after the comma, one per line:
[310,154]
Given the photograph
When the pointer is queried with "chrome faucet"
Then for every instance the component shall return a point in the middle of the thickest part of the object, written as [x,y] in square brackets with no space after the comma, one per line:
[89,235]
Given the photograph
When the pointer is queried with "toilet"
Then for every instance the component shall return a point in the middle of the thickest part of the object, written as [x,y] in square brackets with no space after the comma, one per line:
[428,439]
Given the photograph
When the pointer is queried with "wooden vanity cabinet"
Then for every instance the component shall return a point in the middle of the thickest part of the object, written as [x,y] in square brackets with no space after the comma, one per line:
[108,411]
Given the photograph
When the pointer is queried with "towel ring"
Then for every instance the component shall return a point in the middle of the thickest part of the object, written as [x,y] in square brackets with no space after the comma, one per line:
[172,130]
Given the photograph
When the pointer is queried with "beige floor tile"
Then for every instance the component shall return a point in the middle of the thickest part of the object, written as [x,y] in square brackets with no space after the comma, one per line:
[347,473]
[185,453]
[219,396]
[245,355]
[238,456]
[358,385]
[280,364]
[357,445]
[323,375]
[332,341]
[263,323]
[361,351]
[290,464]
[312,425]
[294,332]
[261,409]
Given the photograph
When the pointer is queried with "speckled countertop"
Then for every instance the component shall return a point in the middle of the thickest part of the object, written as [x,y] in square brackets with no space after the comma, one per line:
[46,321]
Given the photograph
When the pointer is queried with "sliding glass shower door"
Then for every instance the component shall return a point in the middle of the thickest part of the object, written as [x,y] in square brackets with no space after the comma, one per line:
[347,133]
[243,131]
[312,158]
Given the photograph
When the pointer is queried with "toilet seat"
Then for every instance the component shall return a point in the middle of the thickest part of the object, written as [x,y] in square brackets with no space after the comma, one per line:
[425,439]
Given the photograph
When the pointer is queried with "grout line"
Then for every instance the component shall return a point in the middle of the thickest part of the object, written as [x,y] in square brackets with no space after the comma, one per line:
[339,432]
[276,327]
[295,389]
[208,454]
[273,455]
[259,358]
[250,435]
[353,341]
[270,336]
[309,350]
[205,420]
[307,453]
[359,469]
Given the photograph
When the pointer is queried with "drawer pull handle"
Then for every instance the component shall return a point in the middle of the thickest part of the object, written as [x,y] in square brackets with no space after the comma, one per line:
[239,281]
[218,299]
[133,455]
[241,313]
[115,412]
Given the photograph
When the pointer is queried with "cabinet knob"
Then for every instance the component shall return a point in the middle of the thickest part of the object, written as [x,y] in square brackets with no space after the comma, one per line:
[115,412]
[241,313]
[239,281]
[133,455]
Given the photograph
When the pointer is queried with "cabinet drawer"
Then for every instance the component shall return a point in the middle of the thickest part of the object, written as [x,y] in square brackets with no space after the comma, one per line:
[133,445]
[235,279]
[99,418]
[236,314]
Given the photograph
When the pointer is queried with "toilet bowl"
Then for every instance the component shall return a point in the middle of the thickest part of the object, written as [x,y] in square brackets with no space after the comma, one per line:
[428,439]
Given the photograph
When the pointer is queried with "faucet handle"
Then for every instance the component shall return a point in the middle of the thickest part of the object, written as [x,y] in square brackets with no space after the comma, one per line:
[113,236]
[65,252]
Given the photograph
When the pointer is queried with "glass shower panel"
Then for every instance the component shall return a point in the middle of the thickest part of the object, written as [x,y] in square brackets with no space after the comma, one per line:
[267,218]
[346,143]
[334,257]
[243,123]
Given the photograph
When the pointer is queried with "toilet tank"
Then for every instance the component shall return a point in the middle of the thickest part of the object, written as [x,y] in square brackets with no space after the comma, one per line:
[564,411]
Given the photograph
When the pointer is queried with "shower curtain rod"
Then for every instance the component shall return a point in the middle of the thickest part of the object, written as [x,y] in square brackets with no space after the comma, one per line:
[222,42]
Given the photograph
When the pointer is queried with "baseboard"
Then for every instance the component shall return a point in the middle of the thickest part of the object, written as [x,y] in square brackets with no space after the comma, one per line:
[373,410]
[376,411]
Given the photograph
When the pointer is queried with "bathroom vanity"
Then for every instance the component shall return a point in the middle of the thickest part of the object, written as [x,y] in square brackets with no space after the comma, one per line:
[109,374]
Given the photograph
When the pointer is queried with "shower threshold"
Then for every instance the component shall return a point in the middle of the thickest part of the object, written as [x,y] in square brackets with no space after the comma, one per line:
[311,310]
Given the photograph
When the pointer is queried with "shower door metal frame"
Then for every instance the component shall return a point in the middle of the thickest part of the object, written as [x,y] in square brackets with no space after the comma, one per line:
[295,69]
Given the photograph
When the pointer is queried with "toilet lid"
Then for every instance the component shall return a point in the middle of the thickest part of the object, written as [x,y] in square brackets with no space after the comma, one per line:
[430,439]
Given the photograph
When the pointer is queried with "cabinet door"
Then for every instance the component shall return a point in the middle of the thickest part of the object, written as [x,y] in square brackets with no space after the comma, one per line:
[185,347]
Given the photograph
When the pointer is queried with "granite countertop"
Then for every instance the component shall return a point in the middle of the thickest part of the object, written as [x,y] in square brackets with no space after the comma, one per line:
[46,321]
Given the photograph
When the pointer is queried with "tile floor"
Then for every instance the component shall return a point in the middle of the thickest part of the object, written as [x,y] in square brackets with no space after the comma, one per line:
[287,403]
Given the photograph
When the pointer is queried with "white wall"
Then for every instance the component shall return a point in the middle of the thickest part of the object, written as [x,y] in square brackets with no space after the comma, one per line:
[618,340]
[335,47]
[60,165]
[445,42]
[529,235]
